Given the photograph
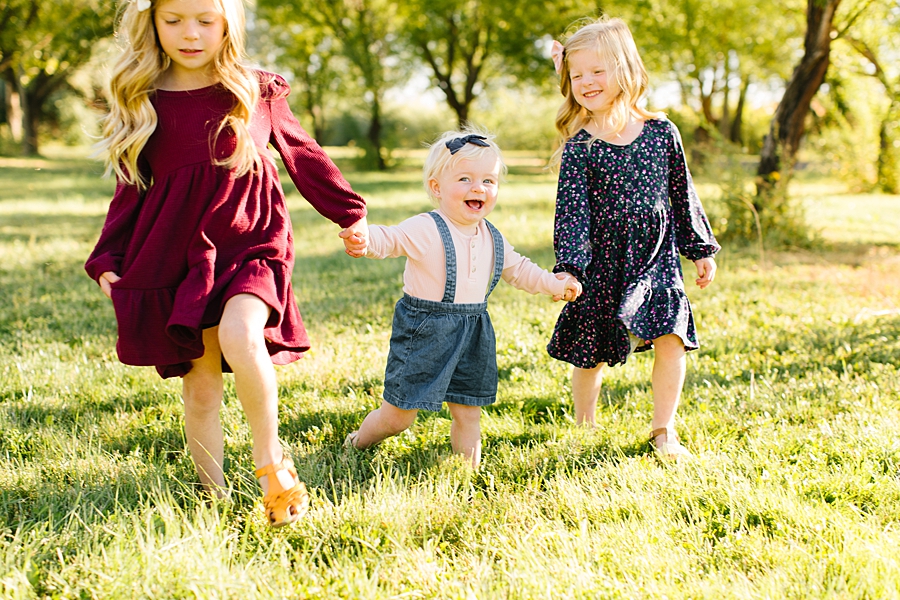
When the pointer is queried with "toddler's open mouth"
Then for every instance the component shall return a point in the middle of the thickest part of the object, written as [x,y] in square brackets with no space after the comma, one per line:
[476,204]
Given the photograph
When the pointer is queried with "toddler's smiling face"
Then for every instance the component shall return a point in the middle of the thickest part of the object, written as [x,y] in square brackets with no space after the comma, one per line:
[467,191]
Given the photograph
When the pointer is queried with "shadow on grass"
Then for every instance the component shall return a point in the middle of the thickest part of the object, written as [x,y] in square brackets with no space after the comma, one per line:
[51,180]
[31,228]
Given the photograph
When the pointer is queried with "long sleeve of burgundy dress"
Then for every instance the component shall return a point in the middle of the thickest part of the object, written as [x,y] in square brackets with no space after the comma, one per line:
[199,234]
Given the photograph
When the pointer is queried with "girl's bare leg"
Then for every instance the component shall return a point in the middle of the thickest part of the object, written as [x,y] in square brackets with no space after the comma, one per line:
[585,392]
[202,392]
[244,347]
[669,368]
[465,431]
[382,423]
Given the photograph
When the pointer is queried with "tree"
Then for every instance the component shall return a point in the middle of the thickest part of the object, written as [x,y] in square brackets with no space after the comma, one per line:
[789,122]
[367,33]
[878,37]
[38,58]
[464,43]
[714,50]
[306,53]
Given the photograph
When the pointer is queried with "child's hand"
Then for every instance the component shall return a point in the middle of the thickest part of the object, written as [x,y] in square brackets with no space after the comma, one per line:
[706,271]
[356,238]
[105,280]
[573,288]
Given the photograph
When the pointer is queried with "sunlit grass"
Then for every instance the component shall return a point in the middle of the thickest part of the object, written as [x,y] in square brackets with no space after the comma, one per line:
[790,406]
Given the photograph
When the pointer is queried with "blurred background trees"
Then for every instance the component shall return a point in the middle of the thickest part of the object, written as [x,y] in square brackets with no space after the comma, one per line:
[43,43]
[759,91]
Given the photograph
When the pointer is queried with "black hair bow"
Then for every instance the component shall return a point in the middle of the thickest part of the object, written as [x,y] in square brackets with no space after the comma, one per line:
[455,144]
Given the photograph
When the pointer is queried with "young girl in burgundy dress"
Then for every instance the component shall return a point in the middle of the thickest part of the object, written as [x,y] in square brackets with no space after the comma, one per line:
[625,209]
[197,250]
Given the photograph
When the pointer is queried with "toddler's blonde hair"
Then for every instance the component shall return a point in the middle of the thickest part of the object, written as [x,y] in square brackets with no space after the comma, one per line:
[132,120]
[613,43]
[439,158]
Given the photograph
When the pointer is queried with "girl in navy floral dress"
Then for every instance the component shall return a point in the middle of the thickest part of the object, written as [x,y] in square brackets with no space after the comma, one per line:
[626,207]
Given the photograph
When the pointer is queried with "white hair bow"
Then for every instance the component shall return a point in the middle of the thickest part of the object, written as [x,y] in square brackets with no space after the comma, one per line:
[143,5]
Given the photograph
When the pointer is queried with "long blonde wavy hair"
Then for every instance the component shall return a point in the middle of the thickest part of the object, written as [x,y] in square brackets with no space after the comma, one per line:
[614,45]
[132,120]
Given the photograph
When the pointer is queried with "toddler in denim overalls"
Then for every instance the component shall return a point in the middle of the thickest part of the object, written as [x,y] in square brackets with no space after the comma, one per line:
[442,341]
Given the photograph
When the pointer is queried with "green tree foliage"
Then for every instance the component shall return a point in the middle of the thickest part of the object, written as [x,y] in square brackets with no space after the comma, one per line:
[824,25]
[465,43]
[367,33]
[876,40]
[307,53]
[715,50]
[42,42]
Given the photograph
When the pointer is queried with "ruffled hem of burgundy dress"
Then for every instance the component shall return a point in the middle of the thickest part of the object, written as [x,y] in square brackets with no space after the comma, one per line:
[164,327]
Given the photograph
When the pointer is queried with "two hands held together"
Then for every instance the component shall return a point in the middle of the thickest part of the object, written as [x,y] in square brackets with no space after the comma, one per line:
[573,288]
[356,238]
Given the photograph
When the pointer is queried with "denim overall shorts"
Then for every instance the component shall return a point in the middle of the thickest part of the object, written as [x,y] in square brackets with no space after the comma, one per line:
[441,351]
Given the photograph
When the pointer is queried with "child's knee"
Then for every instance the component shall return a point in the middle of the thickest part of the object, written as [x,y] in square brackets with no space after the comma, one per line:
[670,344]
[239,337]
[466,416]
[397,419]
[202,397]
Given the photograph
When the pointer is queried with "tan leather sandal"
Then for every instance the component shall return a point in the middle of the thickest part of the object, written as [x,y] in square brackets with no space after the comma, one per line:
[671,448]
[283,506]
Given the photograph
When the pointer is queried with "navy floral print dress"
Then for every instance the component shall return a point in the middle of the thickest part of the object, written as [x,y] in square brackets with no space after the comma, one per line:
[623,214]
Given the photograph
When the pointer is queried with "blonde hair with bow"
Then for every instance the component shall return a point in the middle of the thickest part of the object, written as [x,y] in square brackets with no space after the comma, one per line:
[613,43]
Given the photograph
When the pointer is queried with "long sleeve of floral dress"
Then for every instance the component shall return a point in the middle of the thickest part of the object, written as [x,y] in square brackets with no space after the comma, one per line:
[693,233]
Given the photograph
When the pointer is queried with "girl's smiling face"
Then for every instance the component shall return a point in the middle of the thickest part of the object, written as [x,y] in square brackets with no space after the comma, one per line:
[467,191]
[191,33]
[594,86]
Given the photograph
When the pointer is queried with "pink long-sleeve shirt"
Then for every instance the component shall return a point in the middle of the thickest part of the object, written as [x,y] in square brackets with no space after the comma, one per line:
[417,239]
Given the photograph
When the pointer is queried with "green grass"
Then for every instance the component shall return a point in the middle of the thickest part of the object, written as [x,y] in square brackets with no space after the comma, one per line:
[791,407]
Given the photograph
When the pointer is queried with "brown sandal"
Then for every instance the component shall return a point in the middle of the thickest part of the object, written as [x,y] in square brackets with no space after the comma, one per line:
[283,506]
[671,448]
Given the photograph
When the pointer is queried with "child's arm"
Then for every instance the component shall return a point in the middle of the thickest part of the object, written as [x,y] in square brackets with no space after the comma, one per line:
[316,177]
[105,262]
[693,233]
[411,239]
[572,223]
[521,273]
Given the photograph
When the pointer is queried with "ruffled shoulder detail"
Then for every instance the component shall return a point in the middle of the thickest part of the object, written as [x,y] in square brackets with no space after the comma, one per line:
[272,86]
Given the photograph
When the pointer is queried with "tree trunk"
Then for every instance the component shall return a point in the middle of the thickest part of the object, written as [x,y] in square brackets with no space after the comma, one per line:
[789,123]
[30,112]
[13,107]
[374,135]
[735,134]
[725,121]
[888,166]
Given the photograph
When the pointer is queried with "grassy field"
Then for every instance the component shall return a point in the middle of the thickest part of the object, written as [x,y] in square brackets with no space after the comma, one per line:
[791,406]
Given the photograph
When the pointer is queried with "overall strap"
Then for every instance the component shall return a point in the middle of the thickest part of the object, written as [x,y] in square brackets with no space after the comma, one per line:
[449,256]
[498,256]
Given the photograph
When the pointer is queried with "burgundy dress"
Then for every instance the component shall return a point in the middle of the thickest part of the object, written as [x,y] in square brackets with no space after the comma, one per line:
[200,234]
